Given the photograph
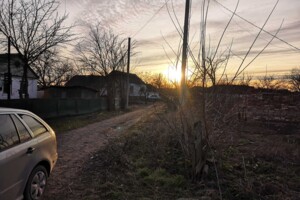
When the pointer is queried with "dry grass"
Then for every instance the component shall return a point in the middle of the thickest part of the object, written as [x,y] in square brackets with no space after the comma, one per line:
[254,161]
[63,124]
[257,162]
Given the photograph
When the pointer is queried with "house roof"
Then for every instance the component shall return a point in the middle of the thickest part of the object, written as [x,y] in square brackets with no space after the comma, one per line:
[91,81]
[97,82]
[16,66]
[133,78]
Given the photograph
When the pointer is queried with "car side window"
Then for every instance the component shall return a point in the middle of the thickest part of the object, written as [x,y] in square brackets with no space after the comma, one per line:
[8,133]
[36,127]
[23,132]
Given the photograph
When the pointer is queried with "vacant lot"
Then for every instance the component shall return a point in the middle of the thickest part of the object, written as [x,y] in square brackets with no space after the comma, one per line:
[255,160]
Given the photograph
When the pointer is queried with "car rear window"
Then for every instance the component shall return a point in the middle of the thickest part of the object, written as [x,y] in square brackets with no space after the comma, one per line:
[36,127]
[23,132]
[8,134]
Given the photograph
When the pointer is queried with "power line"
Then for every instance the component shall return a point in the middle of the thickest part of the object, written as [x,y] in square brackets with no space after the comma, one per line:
[294,47]
[249,32]
[150,19]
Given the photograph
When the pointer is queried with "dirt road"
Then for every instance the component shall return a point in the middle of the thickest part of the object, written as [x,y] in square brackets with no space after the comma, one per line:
[77,146]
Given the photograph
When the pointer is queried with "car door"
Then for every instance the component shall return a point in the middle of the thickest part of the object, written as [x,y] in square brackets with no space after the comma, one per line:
[46,145]
[16,156]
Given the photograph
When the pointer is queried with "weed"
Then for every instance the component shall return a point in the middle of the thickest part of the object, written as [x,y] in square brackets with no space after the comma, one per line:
[162,178]
[144,172]
[148,163]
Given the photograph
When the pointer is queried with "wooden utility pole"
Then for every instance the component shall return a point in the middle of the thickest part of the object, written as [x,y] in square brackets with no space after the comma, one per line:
[8,70]
[183,88]
[127,77]
[9,54]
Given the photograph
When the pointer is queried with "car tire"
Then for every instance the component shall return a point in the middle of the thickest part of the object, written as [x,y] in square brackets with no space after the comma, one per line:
[36,184]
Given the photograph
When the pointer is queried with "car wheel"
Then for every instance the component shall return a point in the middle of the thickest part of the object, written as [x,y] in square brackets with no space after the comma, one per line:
[36,183]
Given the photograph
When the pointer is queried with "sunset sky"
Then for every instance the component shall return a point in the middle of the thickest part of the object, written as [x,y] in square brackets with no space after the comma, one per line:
[127,17]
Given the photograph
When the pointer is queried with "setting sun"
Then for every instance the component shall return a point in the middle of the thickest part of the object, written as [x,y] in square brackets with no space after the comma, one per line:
[173,74]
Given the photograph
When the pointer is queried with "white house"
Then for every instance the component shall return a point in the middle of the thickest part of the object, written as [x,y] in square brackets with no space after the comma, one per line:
[16,66]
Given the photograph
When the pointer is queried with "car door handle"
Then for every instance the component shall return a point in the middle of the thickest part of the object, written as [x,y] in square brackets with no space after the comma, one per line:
[30,150]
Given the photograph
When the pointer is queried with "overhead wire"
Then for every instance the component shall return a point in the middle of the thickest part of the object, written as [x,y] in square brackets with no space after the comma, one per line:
[242,18]
[251,23]
[150,19]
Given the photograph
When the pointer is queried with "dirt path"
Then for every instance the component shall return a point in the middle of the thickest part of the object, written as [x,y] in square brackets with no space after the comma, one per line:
[76,146]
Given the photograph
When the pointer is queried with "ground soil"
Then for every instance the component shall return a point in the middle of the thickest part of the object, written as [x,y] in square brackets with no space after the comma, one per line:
[255,160]
[77,146]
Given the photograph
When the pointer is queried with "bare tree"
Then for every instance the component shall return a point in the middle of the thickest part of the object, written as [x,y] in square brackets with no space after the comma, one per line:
[33,26]
[145,76]
[213,68]
[294,79]
[158,80]
[268,82]
[52,69]
[102,51]
[245,80]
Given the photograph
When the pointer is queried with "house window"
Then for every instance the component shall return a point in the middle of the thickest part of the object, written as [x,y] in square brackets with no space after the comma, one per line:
[1,84]
[3,87]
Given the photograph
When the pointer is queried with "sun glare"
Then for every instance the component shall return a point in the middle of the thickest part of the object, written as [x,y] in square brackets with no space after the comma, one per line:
[173,74]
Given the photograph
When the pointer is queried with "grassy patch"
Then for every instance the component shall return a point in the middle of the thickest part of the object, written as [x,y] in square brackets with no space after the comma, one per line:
[63,124]
[160,177]
[144,163]
[148,163]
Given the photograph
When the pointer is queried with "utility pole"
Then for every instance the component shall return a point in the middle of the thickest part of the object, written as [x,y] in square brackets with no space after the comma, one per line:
[127,77]
[9,53]
[8,70]
[183,92]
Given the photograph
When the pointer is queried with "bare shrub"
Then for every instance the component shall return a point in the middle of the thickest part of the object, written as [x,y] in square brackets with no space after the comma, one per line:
[210,111]
[222,112]
[294,79]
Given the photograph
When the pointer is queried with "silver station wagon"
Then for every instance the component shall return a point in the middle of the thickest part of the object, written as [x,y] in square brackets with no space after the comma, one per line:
[28,153]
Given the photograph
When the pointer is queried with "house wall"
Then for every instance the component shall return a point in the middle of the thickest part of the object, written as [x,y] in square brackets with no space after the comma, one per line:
[15,86]
[135,89]
[32,88]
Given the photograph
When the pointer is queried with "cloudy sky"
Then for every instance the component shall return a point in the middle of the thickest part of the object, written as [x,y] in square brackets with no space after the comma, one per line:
[150,25]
